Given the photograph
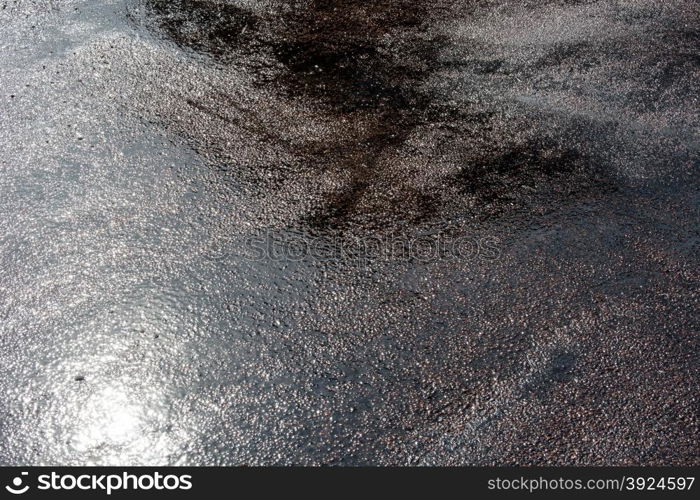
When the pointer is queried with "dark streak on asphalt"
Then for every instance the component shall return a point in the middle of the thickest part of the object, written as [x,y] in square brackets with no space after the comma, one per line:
[335,52]
[143,140]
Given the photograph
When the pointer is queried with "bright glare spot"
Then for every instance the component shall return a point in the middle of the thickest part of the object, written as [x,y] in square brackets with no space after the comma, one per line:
[109,418]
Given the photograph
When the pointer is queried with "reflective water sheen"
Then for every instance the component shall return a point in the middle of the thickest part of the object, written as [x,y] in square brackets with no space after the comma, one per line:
[405,232]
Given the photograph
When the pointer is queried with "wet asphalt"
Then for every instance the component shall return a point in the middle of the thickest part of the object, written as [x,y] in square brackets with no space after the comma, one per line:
[344,232]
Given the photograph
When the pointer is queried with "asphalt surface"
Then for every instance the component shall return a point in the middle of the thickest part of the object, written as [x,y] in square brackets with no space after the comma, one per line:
[405,232]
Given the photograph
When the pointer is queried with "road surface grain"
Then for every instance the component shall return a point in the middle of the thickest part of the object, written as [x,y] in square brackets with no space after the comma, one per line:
[405,232]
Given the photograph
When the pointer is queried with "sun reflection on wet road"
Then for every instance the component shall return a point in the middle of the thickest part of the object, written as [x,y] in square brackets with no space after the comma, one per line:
[142,142]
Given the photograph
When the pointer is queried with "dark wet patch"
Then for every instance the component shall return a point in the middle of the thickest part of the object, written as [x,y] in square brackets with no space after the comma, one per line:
[477,66]
[348,79]
[208,26]
[519,168]
[365,66]
[560,370]
[338,52]
[581,55]
[340,55]
[562,366]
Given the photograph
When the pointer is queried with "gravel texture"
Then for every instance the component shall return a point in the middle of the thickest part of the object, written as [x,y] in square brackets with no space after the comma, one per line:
[401,232]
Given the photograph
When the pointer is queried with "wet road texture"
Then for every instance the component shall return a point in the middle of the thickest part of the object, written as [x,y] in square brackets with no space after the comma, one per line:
[348,232]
